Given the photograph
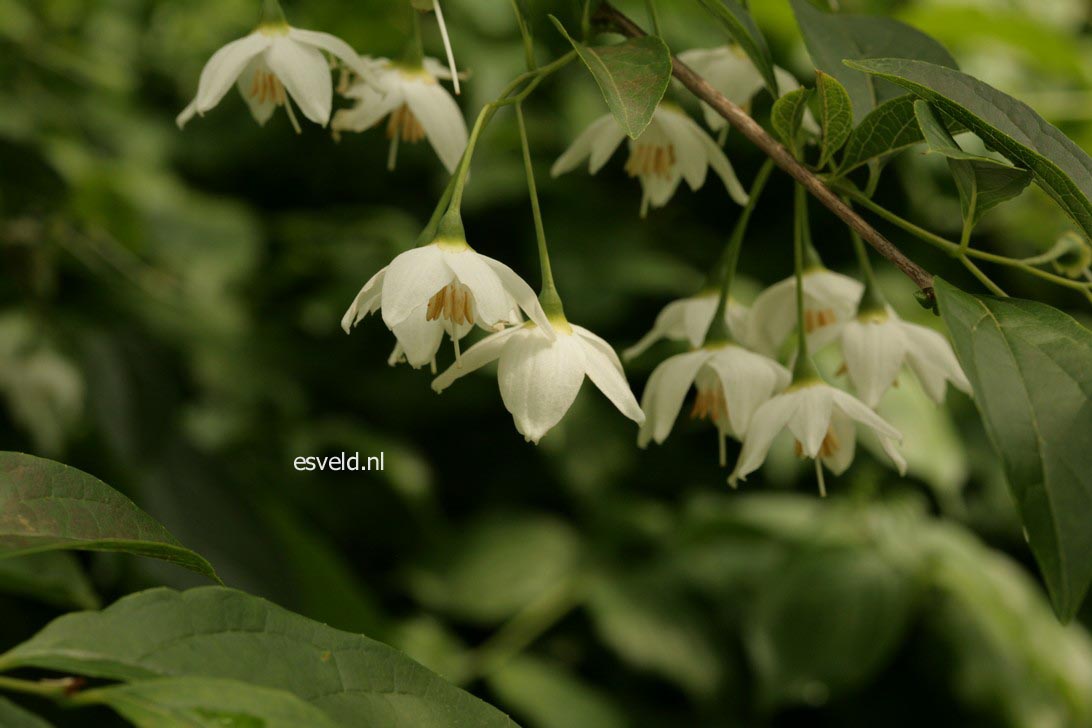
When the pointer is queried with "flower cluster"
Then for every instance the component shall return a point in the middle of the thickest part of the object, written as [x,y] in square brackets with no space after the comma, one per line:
[749,384]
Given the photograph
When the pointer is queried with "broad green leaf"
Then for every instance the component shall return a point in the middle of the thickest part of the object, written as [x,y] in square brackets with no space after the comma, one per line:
[787,115]
[1031,369]
[201,702]
[633,76]
[551,697]
[736,19]
[983,183]
[1006,125]
[836,112]
[54,577]
[830,618]
[48,506]
[12,716]
[222,633]
[887,129]
[833,37]
[503,563]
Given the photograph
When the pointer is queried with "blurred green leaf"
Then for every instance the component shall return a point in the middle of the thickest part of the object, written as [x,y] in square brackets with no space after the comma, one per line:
[502,563]
[826,622]
[552,697]
[633,76]
[787,115]
[46,506]
[12,716]
[201,702]
[1031,369]
[834,37]
[735,18]
[222,633]
[54,577]
[836,115]
[1005,124]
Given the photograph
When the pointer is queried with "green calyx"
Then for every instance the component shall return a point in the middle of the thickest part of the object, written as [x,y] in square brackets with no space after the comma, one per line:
[450,234]
[551,305]
[272,19]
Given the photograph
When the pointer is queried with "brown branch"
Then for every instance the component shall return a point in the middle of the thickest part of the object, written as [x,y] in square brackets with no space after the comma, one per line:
[740,120]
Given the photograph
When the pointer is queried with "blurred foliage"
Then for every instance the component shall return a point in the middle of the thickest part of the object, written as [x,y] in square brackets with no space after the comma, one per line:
[169,322]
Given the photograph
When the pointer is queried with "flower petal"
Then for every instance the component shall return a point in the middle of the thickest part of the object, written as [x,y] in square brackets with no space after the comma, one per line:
[492,301]
[372,105]
[261,103]
[665,391]
[843,437]
[539,379]
[603,368]
[420,338]
[523,294]
[773,316]
[856,409]
[933,361]
[874,352]
[224,67]
[766,424]
[698,317]
[591,140]
[690,153]
[412,279]
[811,419]
[748,380]
[477,356]
[441,119]
[334,46]
[306,76]
[366,302]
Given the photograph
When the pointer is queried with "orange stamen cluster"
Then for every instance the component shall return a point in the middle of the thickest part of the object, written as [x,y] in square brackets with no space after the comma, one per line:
[827,448]
[647,160]
[267,88]
[453,302]
[709,404]
[403,124]
[817,319]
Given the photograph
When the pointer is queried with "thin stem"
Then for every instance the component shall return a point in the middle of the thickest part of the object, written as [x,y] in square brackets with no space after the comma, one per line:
[872,298]
[751,129]
[982,277]
[525,34]
[726,266]
[272,13]
[549,296]
[415,50]
[804,369]
[654,17]
[447,45]
[58,690]
[968,225]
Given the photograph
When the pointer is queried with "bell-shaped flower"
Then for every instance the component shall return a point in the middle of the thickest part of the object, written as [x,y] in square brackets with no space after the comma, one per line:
[688,319]
[415,105]
[877,343]
[830,300]
[823,421]
[730,71]
[444,287]
[274,66]
[670,149]
[541,370]
[731,383]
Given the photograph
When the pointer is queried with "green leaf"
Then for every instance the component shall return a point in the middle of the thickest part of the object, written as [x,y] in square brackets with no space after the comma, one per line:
[48,506]
[827,620]
[983,183]
[200,702]
[887,129]
[223,633]
[833,37]
[12,716]
[1006,125]
[836,115]
[502,564]
[551,697]
[1031,369]
[787,115]
[633,76]
[736,19]
[54,577]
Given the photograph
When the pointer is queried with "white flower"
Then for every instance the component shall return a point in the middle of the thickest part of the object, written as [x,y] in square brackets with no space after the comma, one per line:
[688,319]
[830,300]
[539,375]
[821,418]
[730,71]
[443,287]
[877,343]
[672,148]
[416,105]
[731,383]
[274,63]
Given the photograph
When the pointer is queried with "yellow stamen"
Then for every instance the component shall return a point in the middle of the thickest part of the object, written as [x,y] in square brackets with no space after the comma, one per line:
[818,318]
[827,448]
[453,302]
[709,404]
[404,125]
[647,160]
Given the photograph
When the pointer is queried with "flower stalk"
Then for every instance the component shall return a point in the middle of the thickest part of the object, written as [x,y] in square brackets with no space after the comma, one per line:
[549,298]
[803,370]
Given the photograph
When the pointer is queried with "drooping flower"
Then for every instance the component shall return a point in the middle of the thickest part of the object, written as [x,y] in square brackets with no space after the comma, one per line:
[877,343]
[730,71]
[540,373]
[670,149]
[443,287]
[830,300]
[731,383]
[415,104]
[821,418]
[275,65]
[688,319]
